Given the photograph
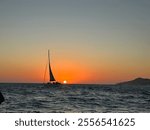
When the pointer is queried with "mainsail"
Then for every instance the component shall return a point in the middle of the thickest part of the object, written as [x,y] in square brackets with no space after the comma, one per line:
[51,76]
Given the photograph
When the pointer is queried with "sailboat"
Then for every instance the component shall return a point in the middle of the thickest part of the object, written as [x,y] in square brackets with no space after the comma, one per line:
[52,80]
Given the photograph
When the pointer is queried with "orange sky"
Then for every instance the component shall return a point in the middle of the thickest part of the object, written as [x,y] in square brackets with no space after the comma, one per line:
[73,72]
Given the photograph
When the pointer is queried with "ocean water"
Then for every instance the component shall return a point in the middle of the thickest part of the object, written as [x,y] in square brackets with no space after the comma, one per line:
[31,98]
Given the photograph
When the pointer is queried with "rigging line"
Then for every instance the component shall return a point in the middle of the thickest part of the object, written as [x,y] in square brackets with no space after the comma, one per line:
[45,72]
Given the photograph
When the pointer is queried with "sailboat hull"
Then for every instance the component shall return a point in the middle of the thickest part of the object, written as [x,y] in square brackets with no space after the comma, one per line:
[54,84]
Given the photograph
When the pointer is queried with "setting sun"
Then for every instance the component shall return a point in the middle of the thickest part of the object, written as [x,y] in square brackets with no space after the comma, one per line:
[64,81]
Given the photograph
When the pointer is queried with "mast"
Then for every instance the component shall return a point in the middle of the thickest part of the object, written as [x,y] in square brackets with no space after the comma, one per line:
[51,76]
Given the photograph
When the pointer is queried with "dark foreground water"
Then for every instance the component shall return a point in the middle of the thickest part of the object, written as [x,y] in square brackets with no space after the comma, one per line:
[74,98]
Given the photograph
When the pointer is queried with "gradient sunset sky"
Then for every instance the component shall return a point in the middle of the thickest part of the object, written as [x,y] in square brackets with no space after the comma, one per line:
[91,41]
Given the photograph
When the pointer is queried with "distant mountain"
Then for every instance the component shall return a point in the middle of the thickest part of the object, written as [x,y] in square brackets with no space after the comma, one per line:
[137,81]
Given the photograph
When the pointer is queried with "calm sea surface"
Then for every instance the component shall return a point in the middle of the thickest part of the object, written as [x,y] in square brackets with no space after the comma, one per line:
[74,98]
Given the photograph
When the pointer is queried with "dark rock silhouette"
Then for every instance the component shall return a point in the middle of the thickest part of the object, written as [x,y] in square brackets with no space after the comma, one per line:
[137,81]
[1,98]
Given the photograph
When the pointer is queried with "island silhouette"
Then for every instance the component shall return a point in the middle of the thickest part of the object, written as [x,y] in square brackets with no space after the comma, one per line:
[136,82]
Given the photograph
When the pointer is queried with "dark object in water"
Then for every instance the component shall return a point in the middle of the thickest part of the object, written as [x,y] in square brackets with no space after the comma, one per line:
[1,98]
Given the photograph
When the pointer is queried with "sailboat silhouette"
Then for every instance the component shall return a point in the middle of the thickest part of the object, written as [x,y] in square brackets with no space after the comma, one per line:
[52,81]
